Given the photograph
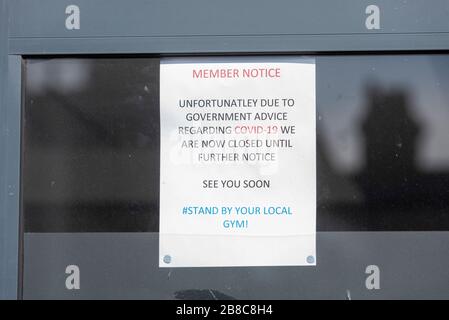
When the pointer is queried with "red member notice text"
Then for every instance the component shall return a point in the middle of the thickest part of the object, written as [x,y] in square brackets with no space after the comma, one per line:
[236,73]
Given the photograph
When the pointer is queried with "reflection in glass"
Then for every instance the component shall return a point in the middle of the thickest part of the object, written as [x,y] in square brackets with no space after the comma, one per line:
[91,143]
[383,148]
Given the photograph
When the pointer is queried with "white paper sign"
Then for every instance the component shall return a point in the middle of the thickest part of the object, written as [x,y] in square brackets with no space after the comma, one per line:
[238,162]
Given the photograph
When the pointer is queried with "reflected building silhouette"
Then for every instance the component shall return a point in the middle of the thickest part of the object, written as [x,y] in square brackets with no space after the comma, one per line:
[391,192]
[390,134]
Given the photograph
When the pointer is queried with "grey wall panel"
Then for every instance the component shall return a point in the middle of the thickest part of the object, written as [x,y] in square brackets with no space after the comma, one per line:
[12,168]
[10,183]
[205,26]
[10,91]
[4,287]
[104,18]
[125,266]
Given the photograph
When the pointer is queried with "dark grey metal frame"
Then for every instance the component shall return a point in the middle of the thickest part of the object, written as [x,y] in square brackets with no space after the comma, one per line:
[171,27]
[10,108]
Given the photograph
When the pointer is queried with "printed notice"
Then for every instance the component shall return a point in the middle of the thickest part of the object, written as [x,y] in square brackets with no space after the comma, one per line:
[238,162]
